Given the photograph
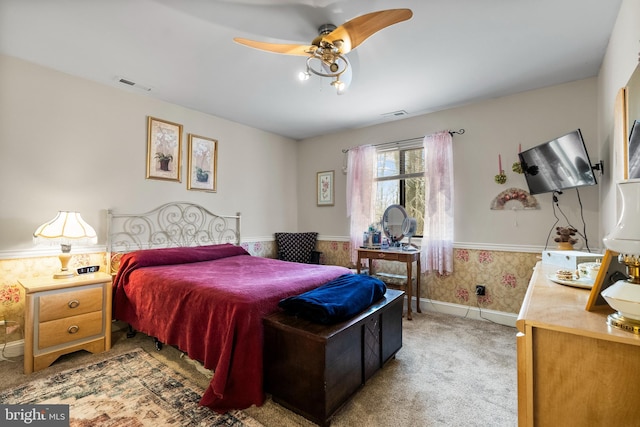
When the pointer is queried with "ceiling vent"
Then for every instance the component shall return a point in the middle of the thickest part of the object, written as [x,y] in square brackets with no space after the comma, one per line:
[395,114]
[133,84]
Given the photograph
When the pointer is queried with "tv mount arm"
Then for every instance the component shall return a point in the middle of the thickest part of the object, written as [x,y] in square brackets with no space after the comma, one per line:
[598,167]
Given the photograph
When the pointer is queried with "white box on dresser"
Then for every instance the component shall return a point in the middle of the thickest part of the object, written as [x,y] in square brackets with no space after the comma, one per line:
[569,259]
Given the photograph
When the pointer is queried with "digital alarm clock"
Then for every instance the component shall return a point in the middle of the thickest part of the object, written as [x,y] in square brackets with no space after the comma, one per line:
[89,269]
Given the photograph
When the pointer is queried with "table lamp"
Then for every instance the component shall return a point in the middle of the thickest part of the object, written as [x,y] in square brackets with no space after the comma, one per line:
[66,228]
[624,295]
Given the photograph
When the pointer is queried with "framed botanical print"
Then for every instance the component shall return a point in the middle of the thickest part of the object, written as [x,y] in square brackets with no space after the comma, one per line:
[202,163]
[324,185]
[164,147]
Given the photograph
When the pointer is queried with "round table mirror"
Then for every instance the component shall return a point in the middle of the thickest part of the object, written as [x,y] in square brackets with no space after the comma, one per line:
[392,223]
[409,226]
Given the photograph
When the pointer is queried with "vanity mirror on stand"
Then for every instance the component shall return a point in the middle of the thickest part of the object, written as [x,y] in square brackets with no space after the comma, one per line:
[397,225]
[409,226]
[392,221]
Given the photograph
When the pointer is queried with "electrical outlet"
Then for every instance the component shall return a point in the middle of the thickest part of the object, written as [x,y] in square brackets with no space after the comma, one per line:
[480,290]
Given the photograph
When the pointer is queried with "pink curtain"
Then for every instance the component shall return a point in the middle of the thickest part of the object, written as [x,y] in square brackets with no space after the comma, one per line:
[360,193]
[437,240]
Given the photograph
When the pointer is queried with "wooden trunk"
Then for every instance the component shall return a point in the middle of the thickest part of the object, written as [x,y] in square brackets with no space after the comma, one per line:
[314,369]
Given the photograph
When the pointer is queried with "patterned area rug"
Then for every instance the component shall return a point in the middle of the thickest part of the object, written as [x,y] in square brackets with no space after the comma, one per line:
[132,389]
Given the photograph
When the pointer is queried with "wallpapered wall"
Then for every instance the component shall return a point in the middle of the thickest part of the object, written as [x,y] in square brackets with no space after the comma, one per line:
[12,296]
[505,275]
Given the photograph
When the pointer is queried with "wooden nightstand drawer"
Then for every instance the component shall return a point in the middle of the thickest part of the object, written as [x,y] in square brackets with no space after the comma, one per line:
[71,303]
[69,329]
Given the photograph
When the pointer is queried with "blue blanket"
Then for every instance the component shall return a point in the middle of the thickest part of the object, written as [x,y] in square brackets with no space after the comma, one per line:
[337,300]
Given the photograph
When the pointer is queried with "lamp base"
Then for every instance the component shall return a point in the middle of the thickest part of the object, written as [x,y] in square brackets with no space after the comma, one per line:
[619,321]
[63,274]
[65,256]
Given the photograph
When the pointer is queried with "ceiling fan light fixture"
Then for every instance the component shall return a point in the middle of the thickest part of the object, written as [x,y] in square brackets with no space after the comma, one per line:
[325,66]
[339,85]
[331,65]
[304,75]
[333,42]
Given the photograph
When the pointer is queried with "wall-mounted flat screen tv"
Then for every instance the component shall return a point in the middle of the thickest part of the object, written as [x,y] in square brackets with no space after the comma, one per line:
[557,165]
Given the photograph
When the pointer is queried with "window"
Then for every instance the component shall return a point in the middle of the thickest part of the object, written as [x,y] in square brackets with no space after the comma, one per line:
[400,180]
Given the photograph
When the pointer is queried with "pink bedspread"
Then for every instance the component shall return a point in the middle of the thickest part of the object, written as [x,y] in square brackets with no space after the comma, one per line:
[209,302]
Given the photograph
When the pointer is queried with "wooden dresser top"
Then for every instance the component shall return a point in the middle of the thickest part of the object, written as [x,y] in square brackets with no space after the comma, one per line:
[558,307]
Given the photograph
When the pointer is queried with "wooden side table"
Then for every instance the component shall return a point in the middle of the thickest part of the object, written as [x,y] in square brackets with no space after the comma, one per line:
[408,257]
[65,315]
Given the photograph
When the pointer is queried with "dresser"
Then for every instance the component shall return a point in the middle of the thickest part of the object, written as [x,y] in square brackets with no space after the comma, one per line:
[65,315]
[573,369]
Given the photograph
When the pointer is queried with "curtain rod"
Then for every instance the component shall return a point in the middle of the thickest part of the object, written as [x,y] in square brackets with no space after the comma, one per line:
[451,132]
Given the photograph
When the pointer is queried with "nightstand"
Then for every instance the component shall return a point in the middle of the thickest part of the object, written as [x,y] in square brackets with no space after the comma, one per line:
[65,315]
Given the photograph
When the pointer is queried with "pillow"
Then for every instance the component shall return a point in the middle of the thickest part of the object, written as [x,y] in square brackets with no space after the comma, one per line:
[296,247]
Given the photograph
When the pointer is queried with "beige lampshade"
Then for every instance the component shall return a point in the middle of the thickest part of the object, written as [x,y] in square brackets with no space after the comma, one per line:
[66,228]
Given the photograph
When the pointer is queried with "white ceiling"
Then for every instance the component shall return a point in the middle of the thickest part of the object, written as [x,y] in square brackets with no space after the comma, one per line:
[450,53]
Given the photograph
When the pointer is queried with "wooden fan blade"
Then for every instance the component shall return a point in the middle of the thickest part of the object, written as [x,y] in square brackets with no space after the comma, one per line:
[286,49]
[354,32]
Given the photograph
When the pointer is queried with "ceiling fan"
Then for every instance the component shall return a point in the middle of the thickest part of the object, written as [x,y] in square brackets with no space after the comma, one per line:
[325,54]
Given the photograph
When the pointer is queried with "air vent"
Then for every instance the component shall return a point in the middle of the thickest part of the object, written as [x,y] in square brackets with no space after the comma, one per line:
[395,114]
[133,84]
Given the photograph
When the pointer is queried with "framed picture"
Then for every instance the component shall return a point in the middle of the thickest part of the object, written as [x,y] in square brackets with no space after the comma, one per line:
[629,114]
[164,147]
[325,188]
[610,272]
[202,163]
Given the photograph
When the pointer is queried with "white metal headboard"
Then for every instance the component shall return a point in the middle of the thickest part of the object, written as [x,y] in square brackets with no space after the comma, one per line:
[175,224]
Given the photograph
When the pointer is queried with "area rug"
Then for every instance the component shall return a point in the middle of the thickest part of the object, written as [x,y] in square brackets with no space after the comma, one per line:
[131,389]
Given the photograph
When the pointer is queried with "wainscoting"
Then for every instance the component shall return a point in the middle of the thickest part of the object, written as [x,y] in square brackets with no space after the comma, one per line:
[504,273]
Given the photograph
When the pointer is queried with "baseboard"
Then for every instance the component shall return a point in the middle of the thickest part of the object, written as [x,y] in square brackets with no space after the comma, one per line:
[16,348]
[477,313]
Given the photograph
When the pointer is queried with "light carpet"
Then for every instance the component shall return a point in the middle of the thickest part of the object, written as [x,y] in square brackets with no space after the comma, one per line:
[450,371]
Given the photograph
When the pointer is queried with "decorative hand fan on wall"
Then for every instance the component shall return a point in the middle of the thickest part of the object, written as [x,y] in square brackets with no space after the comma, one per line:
[325,55]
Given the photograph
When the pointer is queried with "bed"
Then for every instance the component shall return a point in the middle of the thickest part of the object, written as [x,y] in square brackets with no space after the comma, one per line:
[181,277]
